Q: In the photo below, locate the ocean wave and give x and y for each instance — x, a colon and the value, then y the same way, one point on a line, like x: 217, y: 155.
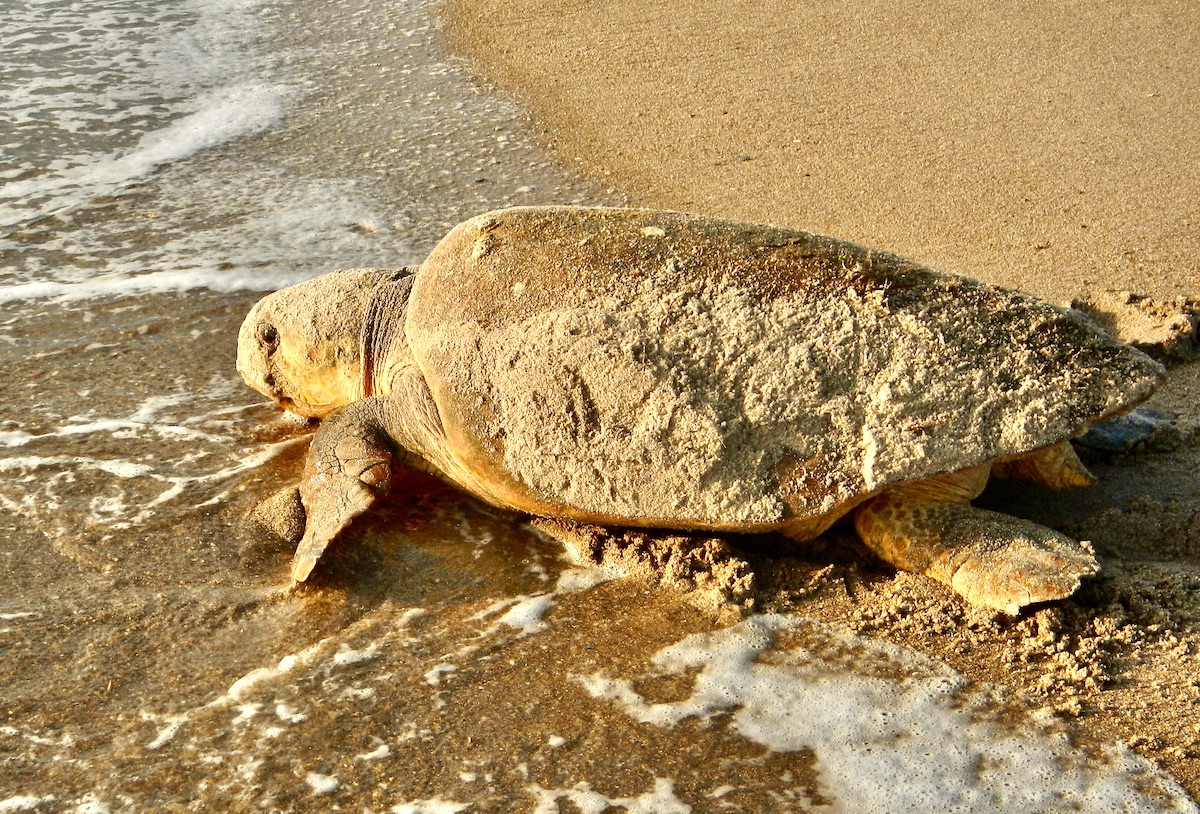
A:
x: 221, y: 115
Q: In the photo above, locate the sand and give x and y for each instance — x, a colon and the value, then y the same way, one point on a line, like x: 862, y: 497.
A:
x: 154, y: 654
x: 1047, y: 149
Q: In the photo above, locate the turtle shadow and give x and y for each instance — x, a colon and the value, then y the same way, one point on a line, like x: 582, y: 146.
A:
x: 434, y: 545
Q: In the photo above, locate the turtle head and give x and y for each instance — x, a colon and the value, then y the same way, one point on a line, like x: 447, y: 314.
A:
x: 302, y: 345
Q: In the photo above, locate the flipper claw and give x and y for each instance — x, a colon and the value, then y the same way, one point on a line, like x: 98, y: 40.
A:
x: 302, y: 566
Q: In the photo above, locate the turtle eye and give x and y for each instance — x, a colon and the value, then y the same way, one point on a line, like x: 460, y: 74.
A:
x: 268, y: 336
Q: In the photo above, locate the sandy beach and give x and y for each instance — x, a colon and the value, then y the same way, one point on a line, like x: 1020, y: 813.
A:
x: 1050, y: 150
x: 162, y: 172
x: 1046, y: 149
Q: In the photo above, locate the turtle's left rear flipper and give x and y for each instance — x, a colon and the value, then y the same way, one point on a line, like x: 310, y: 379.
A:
x: 989, y: 559
x: 349, y: 467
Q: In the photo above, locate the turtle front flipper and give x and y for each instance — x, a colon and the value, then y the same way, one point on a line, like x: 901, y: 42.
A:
x: 990, y: 559
x: 349, y: 466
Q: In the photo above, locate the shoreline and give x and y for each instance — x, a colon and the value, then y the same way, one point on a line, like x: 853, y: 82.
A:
x: 1046, y: 152
x: 448, y: 655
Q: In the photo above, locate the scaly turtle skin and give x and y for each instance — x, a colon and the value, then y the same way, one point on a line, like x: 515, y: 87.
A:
x: 656, y: 369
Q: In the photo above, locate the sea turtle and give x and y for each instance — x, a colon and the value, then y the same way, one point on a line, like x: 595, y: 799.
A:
x: 651, y: 369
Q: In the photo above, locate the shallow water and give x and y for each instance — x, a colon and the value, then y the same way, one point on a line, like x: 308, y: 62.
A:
x: 163, y: 164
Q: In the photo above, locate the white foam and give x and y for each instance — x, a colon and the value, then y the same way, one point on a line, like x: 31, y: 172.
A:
x: 527, y: 614
x: 523, y: 613
x: 321, y: 783
x: 122, y: 469
x: 576, y: 580
x: 433, y: 676
x: 23, y: 802
x: 238, y: 689
x: 434, y: 805
x: 65, y: 740
x: 378, y: 753
x: 494, y: 608
x: 410, y: 616
x: 158, y: 282
x: 91, y: 804
x: 659, y: 800
x: 248, y: 770
x: 14, y: 438
x: 149, y: 409
x: 143, y: 418
x: 246, y: 712
x: 223, y: 114
x: 289, y: 714
x: 89, y: 113
x: 112, y: 509
x: 235, y: 696
x: 926, y: 742
x: 168, y: 732
x: 89, y: 117
x: 108, y: 511
x: 346, y: 656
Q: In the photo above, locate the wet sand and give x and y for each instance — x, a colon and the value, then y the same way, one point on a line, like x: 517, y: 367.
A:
x: 1049, y: 150
x: 154, y: 655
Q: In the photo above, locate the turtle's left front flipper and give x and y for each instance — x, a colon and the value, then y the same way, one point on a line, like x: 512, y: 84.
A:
x: 349, y: 466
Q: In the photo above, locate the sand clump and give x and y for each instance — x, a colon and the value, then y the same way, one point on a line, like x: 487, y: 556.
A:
x: 708, y: 571
x: 1168, y: 330
x: 281, y: 514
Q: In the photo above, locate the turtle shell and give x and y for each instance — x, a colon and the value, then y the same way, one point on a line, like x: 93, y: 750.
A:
x: 662, y: 369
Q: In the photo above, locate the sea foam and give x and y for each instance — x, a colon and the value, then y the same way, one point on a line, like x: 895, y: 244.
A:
x: 222, y: 115
x: 123, y: 170
x: 927, y: 741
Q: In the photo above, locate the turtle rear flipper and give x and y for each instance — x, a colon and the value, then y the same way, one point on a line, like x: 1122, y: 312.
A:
x: 990, y: 559
x: 349, y: 467
x: 1056, y: 466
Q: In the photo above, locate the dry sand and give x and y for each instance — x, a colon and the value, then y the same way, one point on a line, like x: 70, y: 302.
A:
x: 1048, y: 148
x: 1051, y: 149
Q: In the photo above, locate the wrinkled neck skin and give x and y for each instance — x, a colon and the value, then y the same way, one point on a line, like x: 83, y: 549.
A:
x: 395, y: 406
x: 396, y: 395
x: 385, y: 355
